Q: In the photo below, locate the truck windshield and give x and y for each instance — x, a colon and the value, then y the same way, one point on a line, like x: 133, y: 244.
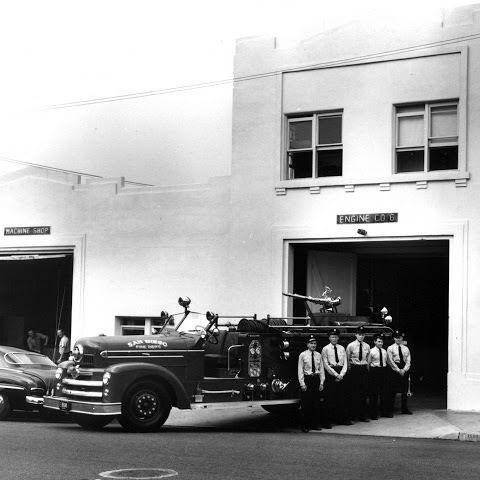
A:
x: 195, y: 322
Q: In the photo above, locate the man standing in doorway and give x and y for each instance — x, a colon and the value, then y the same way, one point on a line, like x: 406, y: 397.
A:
x: 36, y: 341
x: 63, y: 346
x: 399, y: 361
x: 357, y: 354
x: 311, y: 377
x: 335, y: 364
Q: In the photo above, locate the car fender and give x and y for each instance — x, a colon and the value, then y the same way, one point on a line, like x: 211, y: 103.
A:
x: 124, y: 374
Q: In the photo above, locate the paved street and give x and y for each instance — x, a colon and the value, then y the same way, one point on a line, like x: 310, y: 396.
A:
x: 247, y: 446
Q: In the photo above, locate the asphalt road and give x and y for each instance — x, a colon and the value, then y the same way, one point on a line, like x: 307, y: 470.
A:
x: 246, y: 448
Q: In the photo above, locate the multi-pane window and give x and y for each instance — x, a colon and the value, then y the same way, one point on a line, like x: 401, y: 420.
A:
x: 427, y: 137
x: 315, y: 146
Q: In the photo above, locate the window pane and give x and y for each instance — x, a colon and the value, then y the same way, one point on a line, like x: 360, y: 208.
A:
x: 329, y: 130
x: 300, y: 134
x: 300, y: 164
x: 329, y: 163
x: 444, y: 122
x: 410, y: 131
x: 444, y: 158
x: 410, y: 161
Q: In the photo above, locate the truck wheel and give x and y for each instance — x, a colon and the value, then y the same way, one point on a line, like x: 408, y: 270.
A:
x: 145, y: 407
x: 283, y: 410
x: 92, y: 422
x: 4, y: 406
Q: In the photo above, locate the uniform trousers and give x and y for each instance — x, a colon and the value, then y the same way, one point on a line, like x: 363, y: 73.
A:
x: 396, y: 383
x: 310, y: 402
x: 335, y: 398
x: 358, y: 391
x: 377, y: 390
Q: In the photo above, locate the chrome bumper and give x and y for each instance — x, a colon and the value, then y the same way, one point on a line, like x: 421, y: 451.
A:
x: 76, y: 406
x: 34, y: 400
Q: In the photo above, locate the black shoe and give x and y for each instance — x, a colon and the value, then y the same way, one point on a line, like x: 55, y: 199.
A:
x: 327, y: 426
x: 373, y: 417
x: 363, y: 419
x: 406, y: 411
x: 305, y: 430
x: 347, y: 422
x: 387, y: 415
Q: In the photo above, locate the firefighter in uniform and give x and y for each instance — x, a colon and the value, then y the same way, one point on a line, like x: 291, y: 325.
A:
x: 335, y: 364
x: 377, y: 376
x: 311, y: 377
x: 357, y: 355
x: 399, y: 361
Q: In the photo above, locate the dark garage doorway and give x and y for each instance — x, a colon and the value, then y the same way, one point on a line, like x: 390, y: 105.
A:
x: 410, y: 278
x: 35, y: 293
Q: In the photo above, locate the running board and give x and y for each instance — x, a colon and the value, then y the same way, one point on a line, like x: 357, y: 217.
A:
x: 245, y: 403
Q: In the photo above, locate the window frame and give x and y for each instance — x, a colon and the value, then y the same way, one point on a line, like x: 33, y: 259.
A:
x: 426, y: 113
x: 315, y: 145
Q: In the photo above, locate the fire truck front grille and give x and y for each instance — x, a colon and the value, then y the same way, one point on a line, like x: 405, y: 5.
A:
x: 87, y: 385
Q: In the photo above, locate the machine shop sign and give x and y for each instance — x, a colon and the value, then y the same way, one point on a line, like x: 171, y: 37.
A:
x: 42, y: 230
x: 350, y: 218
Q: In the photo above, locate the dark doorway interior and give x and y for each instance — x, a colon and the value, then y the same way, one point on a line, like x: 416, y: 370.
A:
x: 35, y: 293
x: 411, y: 280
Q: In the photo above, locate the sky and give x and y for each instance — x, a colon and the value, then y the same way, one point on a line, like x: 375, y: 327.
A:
x: 57, y: 52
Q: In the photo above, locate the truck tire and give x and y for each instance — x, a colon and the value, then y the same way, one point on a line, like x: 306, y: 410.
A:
x: 4, y: 406
x: 145, y: 407
x: 282, y: 410
x: 89, y: 422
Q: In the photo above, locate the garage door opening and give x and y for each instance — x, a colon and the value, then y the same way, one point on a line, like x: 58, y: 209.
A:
x: 35, y: 293
x: 410, y: 278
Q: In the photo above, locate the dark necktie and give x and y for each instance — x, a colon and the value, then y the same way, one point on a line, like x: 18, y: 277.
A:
x: 381, y: 358
x: 336, y: 355
x: 313, y: 363
x: 360, y: 352
x: 400, y: 354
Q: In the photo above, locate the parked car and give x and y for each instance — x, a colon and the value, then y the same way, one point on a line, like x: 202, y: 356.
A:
x: 25, y: 378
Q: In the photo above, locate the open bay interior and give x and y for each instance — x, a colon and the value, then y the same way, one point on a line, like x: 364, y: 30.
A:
x: 410, y: 278
x: 35, y: 293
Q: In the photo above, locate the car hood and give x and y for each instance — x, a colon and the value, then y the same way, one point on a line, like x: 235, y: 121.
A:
x: 169, y: 341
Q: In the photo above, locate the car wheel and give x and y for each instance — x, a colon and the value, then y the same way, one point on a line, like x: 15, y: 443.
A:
x: 145, y: 407
x: 92, y: 422
x: 4, y: 406
x: 283, y: 410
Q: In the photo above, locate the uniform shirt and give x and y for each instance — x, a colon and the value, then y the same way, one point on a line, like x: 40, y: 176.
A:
x: 328, y: 356
x: 353, y: 351
x: 305, y: 366
x: 63, y: 345
x: 374, y: 357
x: 393, y: 357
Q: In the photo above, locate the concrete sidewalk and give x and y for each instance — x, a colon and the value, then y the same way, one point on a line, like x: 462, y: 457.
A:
x: 425, y: 423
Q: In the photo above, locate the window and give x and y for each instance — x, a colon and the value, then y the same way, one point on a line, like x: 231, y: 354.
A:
x: 137, y: 325
x: 427, y: 137
x: 315, y: 146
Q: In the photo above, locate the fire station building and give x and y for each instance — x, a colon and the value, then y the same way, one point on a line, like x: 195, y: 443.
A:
x: 354, y: 163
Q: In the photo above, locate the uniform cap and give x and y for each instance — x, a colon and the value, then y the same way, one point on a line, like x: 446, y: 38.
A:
x: 312, y: 339
x: 397, y: 334
x: 335, y: 331
x: 378, y: 335
x: 360, y: 330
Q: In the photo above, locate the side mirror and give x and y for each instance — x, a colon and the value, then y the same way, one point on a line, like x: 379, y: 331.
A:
x: 215, y: 332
